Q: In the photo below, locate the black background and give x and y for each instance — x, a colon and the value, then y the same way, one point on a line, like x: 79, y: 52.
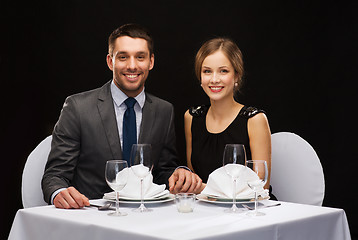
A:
x: 300, y: 61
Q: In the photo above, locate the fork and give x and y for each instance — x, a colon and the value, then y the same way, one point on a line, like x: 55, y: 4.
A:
x: 251, y: 208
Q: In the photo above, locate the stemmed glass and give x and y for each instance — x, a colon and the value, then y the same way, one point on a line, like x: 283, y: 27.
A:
x: 233, y: 162
x: 116, y: 177
x: 141, y: 165
x: 260, y: 168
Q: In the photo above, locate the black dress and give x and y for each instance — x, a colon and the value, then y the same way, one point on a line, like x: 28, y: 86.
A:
x: 208, y: 148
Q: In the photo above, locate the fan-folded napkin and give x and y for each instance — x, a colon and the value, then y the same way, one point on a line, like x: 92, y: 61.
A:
x: 133, y: 187
x: 220, y: 183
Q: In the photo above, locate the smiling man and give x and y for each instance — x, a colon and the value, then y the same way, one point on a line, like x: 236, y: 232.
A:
x: 91, y: 128
x: 130, y: 60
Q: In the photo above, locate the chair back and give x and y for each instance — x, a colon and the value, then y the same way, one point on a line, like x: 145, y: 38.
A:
x: 296, y: 171
x: 31, y: 190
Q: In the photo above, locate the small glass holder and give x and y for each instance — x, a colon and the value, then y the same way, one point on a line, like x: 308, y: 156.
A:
x: 185, y: 202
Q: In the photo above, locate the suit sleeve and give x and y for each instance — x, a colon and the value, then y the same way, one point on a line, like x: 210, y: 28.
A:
x: 65, y: 148
x: 168, y: 159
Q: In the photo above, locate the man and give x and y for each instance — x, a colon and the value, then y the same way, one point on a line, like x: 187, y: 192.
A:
x: 90, y: 129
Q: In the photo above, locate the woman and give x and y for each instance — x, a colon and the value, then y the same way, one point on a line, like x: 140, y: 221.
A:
x: 219, y: 68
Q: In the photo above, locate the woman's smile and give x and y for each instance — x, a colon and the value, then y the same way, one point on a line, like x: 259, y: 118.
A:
x: 216, y: 89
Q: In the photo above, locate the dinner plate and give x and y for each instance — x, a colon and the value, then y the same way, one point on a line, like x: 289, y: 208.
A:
x: 222, y: 200
x: 147, y: 201
x: 111, y: 196
x: 160, y: 199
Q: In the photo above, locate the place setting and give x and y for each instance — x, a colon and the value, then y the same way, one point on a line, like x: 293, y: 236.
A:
x: 238, y: 182
x: 134, y: 184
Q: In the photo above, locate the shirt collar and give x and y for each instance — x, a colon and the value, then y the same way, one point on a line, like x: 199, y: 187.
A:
x: 119, y: 97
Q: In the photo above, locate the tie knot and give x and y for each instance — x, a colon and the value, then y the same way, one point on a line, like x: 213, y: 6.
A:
x: 130, y: 102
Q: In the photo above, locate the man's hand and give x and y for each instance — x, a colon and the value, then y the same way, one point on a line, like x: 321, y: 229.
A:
x: 70, y: 198
x: 183, y: 180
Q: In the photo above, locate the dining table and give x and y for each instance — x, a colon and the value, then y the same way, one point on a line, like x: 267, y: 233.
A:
x: 208, y: 220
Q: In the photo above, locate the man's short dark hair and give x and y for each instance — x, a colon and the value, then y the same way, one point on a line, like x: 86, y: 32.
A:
x: 131, y: 30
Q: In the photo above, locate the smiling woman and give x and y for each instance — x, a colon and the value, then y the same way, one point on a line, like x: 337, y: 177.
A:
x: 208, y: 129
x: 230, y: 51
x: 218, y: 76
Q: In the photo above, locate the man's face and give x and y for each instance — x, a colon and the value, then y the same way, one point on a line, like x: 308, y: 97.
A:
x: 130, y: 63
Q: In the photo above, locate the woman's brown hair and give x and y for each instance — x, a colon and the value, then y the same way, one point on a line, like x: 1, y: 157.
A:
x: 231, y: 51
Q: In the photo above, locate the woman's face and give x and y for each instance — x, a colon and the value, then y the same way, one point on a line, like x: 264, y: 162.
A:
x: 217, y: 76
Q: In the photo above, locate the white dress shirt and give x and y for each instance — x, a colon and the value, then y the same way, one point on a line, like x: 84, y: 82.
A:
x: 120, y: 107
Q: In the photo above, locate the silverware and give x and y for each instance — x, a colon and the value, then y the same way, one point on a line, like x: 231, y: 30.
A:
x: 102, y: 208
x: 265, y: 206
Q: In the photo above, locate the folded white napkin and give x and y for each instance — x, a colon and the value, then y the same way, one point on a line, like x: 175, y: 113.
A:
x: 220, y: 183
x: 133, y: 187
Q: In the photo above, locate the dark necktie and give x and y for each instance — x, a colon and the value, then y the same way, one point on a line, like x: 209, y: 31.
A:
x: 129, y: 129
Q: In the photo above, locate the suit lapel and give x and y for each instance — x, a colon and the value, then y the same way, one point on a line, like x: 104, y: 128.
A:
x: 148, y: 119
x: 108, y: 117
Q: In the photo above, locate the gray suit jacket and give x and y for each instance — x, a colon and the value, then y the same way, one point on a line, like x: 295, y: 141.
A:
x: 86, y: 136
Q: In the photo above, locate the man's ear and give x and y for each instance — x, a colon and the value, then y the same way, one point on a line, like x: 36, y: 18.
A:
x: 109, y: 61
x: 151, y: 62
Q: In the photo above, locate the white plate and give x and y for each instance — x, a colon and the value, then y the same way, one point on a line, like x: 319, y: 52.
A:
x: 221, y: 200
x: 111, y: 196
x: 165, y: 198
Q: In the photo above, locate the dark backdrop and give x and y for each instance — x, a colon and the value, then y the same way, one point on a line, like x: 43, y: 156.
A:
x: 300, y: 61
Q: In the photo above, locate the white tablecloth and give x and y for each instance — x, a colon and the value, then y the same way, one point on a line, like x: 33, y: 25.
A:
x: 208, y: 221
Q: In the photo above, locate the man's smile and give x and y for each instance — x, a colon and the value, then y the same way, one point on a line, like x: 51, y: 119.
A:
x: 132, y: 76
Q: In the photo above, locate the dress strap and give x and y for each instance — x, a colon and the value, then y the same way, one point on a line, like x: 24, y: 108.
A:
x: 248, y: 111
x: 198, y: 111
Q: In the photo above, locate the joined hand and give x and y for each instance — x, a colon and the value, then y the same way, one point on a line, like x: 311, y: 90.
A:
x: 184, y: 181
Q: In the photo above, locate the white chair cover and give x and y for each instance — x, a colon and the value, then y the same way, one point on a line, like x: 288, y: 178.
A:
x: 296, y: 171
x: 33, y: 171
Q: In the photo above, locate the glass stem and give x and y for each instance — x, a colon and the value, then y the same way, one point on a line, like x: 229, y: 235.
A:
x: 141, y: 194
x: 117, y: 202
x: 255, y: 202
x: 234, y: 195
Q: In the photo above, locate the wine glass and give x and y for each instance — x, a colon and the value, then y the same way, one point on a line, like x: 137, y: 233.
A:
x: 260, y: 168
x: 116, y: 177
x: 233, y: 162
x: 141, y: 165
